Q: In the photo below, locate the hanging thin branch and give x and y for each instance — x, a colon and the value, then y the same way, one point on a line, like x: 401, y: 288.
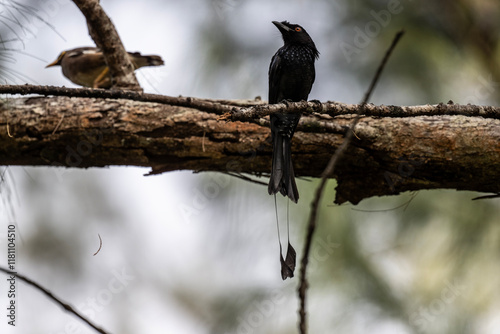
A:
x: 58, y: 301
x: 311, y: 226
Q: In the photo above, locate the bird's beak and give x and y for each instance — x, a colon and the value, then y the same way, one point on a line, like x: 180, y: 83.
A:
x: 57, y: 61
x: 54, y: 63
x: 283, y: 28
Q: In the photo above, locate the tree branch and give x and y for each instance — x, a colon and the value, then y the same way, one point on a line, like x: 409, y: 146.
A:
x: 104, y: 34
x: 214, y: 106
x: 338, y: 109
x: 51, y: 296
x: 250, y: 110
x: 390, y: 155
x: 330, y: 168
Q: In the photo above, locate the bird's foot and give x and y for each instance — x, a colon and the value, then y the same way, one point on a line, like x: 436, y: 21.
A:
x: 287, y: 102
x: 318, y: 106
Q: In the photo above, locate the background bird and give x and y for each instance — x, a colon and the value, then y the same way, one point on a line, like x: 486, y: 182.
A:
x: 86, y: 66
x: 291, y: 76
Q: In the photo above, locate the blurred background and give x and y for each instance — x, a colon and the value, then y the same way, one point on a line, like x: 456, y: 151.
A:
x: 198, y: 253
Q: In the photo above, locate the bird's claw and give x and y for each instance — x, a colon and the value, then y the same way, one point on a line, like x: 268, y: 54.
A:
x: 287, y: 102
x: 318, y: 106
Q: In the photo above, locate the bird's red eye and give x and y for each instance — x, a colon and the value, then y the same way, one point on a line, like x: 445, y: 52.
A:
x: 297, y: 29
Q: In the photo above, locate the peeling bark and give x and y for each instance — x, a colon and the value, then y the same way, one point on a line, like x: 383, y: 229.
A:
x: 388, y: 156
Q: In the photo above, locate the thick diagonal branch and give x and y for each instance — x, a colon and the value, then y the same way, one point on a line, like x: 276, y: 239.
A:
x: 104, y: 34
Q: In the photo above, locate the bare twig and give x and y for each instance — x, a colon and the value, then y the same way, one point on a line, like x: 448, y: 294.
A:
x: 404, y: 205
x: 311, y: 226
x: 58, y: 125
x: 487, y: 197
x: 8, y: 131
x: 245, y: 178
x: 105, y: 36
x: 200, y: 104
x: 235, y: 111
x: 49, y: 294
x: 203, y: 142
x: 26, y: 12
x: 338, y: 109
x: 100, y: 244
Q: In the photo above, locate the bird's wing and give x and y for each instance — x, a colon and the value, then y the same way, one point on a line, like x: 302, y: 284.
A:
x: 85, y: 59
x: 275, y: 74
x: 84, y: 51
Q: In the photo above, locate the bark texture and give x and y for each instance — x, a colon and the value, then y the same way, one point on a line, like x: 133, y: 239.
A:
x: 388, y: 155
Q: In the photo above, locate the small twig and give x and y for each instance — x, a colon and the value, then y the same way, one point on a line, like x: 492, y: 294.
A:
x: 311, y: 226
x: 8, y: 131
x: 190, y: 102
x: 203, y: 142
x: 49, y: 294
x: 380, y: 68
x: 404, y: 205
x: 355, y: 135
x: 100, y: 244
x: 245, y: 178
x: 497, y: 195
x: 335, y: 109
x: 58, y: 124
x: 230, y: 110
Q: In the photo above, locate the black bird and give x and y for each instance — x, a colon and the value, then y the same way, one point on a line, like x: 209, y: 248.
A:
x: 291, y: 76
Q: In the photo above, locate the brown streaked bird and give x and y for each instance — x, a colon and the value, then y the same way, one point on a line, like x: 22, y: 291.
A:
x: 86, y: 66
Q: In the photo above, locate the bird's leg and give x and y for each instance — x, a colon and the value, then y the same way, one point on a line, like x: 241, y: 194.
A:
x: 101, y: 78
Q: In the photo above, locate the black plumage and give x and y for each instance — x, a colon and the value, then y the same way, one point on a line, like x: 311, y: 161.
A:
x: 291, y: 76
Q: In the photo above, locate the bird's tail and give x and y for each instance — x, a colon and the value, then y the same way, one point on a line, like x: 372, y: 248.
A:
x: 145, y: 60
x: 282, y: 175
